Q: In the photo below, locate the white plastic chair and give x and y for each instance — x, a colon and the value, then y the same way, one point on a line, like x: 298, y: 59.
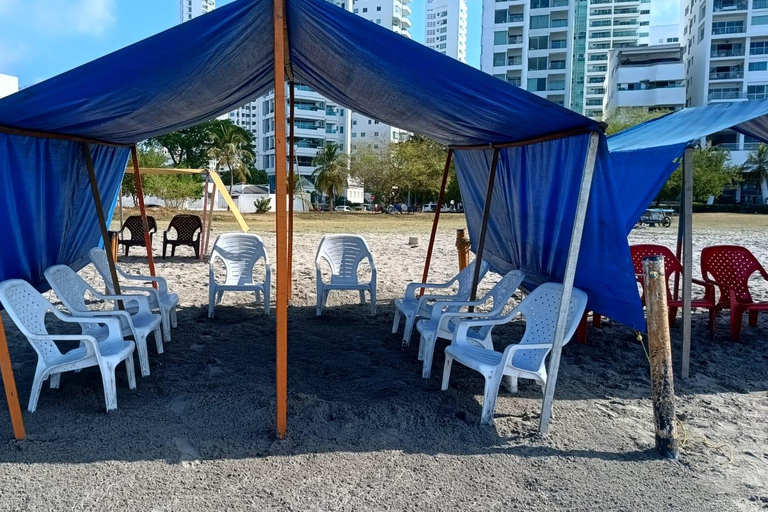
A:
x: 240, y: 252
x: 443, y: 320
x: 413, y: 307
x: 525, y: 359
x: 159, y: 300
x: 72, y: 290
x: 27, y: 308
x: 344, y: 253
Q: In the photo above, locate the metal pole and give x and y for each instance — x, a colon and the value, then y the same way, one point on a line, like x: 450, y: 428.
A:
x: 86, y: 149
x: 436, y: 220
x: 687, y: 261
x: 570, y: 275
x: 143, y: 210
x: 9, y: 383
x: 281, y: 304
x: 120, y: 201
x: 205, y: 212
x: 484, y: 227
x: 291, y: 178
x: 210, y: 219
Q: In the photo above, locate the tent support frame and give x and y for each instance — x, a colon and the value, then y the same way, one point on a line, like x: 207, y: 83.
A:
x: 484, y: 226
x: 281, y: 227
x: 86, y: 150
x: 9, y: 383
x: 292, y: 184
x: 569, y: 277
x: 537, y: 140
x: 211, y: 204
x: 203, y: 234
x: 143, y: 211
x: 436, y: 220
x: 687, y: 260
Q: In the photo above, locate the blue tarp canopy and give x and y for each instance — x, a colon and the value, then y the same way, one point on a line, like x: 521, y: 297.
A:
x: 644, y: 156
x: 217, y: 62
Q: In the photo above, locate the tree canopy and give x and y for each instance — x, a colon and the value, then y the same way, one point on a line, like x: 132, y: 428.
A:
x: 712, y: 173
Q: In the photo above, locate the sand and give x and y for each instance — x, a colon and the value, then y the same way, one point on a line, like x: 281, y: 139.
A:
x: 366, y: 431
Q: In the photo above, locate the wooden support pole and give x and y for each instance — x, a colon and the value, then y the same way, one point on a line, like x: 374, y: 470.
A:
x: 9, y: 383
x: 687, y: 261
x: 203, y: 234
x: 281, y: 303
x: 462, y: 246
x: 291, y: 182
x: 660, y: 353
x: 86, y: 150
x: 143, y: 210
x: 120, y: 204
x: 568, y: 279
x: 484, y: 226
x: 210, y: 219
x: 436, y: 220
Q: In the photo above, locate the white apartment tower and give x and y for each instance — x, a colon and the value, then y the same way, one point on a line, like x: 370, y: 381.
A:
x: 189, y: 9
x: 394, y: 15
x: 8, y: 85
x: 447, y: 28
x: 559, y: 49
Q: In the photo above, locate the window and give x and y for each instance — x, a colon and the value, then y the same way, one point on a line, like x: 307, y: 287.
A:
x: 500, y: 37
x: 538, y: 43
x: 672, y: 39
x: 558, y: 43
x: 760, y: 4
x: 539, y: 4
x: 539, y: 21
x: 365, y: 9
x: 500, y: 16
x: 758, y: 48
x: 537, y: 84
x: 375, y: 134
x: 362, y: 134
x: 758, y: 66
x: 378, y: 8
x: 760, y: 20
x: 757, y: 92
x: 557, y: 64
x: 537, y: 63
x: 499, y: 59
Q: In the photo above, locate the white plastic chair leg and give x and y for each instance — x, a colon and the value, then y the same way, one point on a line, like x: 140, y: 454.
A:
x: 219, y: 296
x: 55, y: 380
x: 396, y: 321
x: 319, y: 305
x: 489, y: 399
x: 372, y: 292
x: 422, y: 344
x: 174, y: 318
x: 110, y: 387
x: 211, y: 301
x: 510, y: 382
x: 166, y: 325
x: 141, y: 347
x: 159, y: 340
x: 131, y: 373
x: 266, y: 302
x: 37, y: 385
x: 408, y: 331
x: 362, y: 296
x: 446, y: 372
x: 429, y: 352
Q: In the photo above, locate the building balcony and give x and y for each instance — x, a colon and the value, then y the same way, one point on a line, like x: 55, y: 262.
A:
x: 716, y: 95
x: 514, y: 81
x: 729, y: 6
x: 515, y: 61
x: 736, y: 29
x: 734, y: 52
x: 406, y: 10
x: 727, y: 75
x: 558, y: 24
x: 515, y: 40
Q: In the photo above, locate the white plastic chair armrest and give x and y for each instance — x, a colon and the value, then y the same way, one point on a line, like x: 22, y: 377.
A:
x: 412, y: 288
x: 465, y: 325
x: 145, y: 289
x: 162, y: 284
x: 472, y: 318
x: 112, y: 323
x: 141, y: 300
x: 509, y: 352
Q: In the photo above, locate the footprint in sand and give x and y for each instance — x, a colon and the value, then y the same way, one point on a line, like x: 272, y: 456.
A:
x: 189, y: 454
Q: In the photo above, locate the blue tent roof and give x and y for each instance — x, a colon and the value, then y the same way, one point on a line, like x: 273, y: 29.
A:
x: 644, y: 156
x: 221, y: 60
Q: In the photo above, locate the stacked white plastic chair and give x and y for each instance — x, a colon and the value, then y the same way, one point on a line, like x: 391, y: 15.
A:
x: 523, y: 360
x: 413, y: 307
x: 239, y: 252
x: 72, y: 290
x: 344, y: 253
x: 160, y: 299
x: 27, y: 308
x: 443, y: 320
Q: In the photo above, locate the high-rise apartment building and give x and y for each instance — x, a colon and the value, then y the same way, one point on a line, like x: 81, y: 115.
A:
x: 559, y: 49
x: 189, y: 9
x: 8, y: 85
x: 394, y: 15
x: 447, y: 28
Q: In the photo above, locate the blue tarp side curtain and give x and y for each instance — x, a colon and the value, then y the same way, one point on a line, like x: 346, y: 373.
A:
x: 532, y: 215
x: 48, y: 211
x: 644, y: 156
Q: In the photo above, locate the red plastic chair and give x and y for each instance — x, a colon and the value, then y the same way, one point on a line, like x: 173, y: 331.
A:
x: 729, y: 267
x: 672, y: 266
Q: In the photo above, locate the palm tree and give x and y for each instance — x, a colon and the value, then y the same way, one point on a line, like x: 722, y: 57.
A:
x: 331, y: 172
x: 231, y: 148
x: 756, y: 168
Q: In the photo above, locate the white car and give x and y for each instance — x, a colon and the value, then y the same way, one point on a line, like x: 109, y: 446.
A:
x: 342, y: 209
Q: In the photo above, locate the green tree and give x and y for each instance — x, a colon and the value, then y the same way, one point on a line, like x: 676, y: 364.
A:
x: 452, y: 192
x: 188, y: 148
x: 231, y: 147
x: 331, y: 170
x: 149, y: 158
x: 712, y: 173
x: 756, y: 169
x: 174, y: 190
x: 627, y: 117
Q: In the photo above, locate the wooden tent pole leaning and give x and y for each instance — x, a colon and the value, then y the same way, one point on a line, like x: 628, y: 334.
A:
x: 203, y: 235
x: 9, y: 383
x: 569, y: 277
x: 484, y: 227
x: 436, y: 220
x: 143, y: 210
x: 86, y: 149
x: 210, y: 218
x: 281, y: 224
x: 687, y: 260
x: 292, y: 177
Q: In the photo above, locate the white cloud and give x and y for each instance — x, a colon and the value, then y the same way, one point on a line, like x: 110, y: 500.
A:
x: 89, y: 17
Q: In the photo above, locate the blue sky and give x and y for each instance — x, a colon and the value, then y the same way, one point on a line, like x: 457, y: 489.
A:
x: 42, y: 38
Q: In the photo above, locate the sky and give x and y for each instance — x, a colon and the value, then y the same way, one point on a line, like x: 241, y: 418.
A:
x: 40, y: 39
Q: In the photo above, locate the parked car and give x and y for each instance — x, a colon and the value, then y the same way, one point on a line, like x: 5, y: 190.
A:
x: 342, y: 209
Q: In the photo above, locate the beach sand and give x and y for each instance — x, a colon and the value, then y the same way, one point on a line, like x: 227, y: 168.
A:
x: 365, y: 431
